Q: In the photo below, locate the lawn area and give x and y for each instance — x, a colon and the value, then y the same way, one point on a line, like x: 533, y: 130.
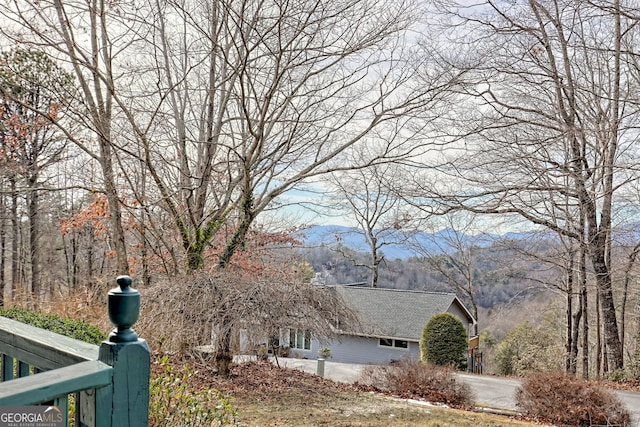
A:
x: 268, y: 396
x: 342, y: 409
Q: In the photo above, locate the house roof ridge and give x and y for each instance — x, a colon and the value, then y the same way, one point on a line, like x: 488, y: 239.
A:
x: 417, y: 291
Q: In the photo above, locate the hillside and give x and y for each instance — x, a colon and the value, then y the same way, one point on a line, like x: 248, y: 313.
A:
x: 500, y: 273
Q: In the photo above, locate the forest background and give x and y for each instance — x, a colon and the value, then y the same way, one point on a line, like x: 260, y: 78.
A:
x: 168, y: 138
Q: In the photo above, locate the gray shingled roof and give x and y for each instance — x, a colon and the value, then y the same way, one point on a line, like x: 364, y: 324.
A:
x: 395, y: 313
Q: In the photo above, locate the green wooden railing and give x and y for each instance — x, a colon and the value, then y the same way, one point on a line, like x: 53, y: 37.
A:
x: 109, y: 384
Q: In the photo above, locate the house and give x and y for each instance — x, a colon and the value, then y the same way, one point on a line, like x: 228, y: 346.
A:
x: 391, y: 324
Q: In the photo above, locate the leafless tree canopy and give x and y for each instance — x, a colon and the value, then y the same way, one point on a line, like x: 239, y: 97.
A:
x: 203, y: 114
x: 549, y: 122
x: 205, y: 306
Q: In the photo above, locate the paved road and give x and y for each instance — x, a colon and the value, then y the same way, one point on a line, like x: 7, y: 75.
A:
x: 343, y: 372
x: 489, y: 392
x: 632, y: 400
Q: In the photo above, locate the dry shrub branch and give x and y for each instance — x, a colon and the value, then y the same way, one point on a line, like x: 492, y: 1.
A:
x: 559, y: 398
x: 212, y: 308
x: 419, y: 380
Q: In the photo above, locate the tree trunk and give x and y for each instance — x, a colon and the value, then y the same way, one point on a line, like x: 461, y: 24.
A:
x: 570, y: 360
x: 631, y: 259
x: 223, y: 355
x: 34, y: 239
x: 90, y: 266
x: 602, y: 264
x: 240, y: 235
x: 98, y: 95
x: 598, y: 338
x: 375, y: 263
x: 15, y: 238
x: 574, y: 341
x: 115, y: 213
x: 3, y: 242
x: 72, y: 261
x: 585, y: 313
x: 609, y: 320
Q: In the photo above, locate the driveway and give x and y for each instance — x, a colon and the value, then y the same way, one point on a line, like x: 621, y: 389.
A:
x: 342, y: 372
x: 490, y: 392
x: 499, y: 393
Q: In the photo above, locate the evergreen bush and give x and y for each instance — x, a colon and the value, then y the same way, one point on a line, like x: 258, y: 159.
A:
x: 77, y: 329
x: 444, y: 341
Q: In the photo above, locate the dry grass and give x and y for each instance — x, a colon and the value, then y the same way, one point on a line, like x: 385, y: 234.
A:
x: 82, y: 304
x: 359, y: 409
x: 268, y: 396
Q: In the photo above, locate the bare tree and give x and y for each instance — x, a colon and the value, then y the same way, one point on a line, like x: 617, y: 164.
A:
x: 82, y: 35
x: 552, y: 114
x: 364, y: 196
x: 263, y: 97
x: 33, y: 90
x: 453, y: 253
x: 558, y: 263
x: 228, y: 105
x: 3, y: 242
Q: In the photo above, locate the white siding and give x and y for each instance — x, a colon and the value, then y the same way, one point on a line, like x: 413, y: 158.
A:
x: 353, y: 349
x: 301, y: 353
x: 456, y: 311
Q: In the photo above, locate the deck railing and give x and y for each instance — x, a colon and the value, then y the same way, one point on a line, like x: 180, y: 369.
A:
x: 107, y: 384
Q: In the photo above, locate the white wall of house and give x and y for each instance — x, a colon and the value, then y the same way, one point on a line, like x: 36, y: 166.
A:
x: 457, y: 311
x: 364, y: 350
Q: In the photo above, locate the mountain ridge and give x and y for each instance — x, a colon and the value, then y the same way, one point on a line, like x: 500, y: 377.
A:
x: 401, y: 244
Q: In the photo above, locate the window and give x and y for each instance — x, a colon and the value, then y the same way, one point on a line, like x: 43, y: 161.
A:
x: 300, y: 339
x: 388, y: 342
x: 385, y: 342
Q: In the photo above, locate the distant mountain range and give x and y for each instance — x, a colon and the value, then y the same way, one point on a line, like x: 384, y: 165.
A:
x: 398, y: 244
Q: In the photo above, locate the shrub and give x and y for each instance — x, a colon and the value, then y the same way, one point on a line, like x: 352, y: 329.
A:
x: 558, y: 398
x: 73, y: 328
x: 173, y: 401
x: 633, y: 367
x: 529, y: 349
x: 444, y: 341
x: 325, y: 353
x: 218, y: 304
x: 506, y: 357
x: 418, y: 380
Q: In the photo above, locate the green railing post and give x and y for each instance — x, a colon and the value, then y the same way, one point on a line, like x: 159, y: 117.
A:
x: 127, y: 403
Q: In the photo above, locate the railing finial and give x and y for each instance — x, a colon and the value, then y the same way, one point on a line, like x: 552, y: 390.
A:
x: 124, y: 308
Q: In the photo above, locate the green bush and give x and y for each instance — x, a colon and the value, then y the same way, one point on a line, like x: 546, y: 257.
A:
x: 73, y: 328
x: 325, y: 353
x: 561, y: 399
x: 174, y: 402
x: 444, y: 341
